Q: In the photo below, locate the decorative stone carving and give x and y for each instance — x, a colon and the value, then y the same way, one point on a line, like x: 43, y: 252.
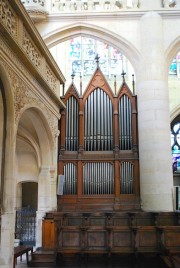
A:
x: 166, y: 3
x: 35, y: 2
x: 50, y: 78
x: 25, y: 98
x: 8, y: 18
x: 30, y: 50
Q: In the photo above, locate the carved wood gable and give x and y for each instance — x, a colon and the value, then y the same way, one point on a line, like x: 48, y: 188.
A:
x: 98, y: 81
x: 124, y: 89
x: 72, y: 91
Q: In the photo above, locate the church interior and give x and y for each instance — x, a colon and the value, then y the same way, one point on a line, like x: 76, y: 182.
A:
x: 90, y: 133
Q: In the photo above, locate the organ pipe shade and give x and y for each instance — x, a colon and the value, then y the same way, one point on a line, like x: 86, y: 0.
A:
x: 126, y: 178
x: 125, y: 123
x: 98, y: 122
x: 98, y: 178
x: 70, y: 182
x: 72, y: 125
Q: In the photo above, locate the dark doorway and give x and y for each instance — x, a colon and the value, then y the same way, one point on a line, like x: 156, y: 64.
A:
x: 26, y: 216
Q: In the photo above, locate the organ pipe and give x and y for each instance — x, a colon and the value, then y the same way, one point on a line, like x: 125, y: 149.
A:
x: 98, y: 118
x: 70, y: 183
x: 98, y: 178
x: 127, y: 178
x: 72, y: 112
x: 125, y: 123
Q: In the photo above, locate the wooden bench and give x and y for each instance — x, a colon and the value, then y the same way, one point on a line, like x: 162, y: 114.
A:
x: 19, y: 251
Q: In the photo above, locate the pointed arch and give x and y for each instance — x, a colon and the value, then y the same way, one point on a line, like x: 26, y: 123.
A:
x: 42, y: 132
x: 171, y: 51
x: 73, y: 30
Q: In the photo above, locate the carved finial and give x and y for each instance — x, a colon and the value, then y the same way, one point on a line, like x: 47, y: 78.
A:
x: 133, y: 84
x: 80, y: 84
x: 123, y: 75
x: 115, y: 84
x: 72, y: 76
x: 97, y: 59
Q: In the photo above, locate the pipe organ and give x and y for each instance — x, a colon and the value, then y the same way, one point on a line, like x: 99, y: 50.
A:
x: 99, y: 148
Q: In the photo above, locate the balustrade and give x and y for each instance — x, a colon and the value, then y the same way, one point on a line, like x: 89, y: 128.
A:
x: 54, y: 6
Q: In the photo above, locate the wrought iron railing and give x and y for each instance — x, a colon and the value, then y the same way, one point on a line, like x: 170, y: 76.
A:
x: 25, y: 229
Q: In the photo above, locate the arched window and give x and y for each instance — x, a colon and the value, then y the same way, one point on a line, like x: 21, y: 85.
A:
x: 175, y: 143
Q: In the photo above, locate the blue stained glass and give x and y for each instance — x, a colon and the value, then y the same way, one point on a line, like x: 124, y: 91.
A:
x: 82, y: 53
x: 173, y: 67
x: 75, y: 48
x: 89, y: 67
x: 76, y: 66
x: 176, y: 147
x: 89, y: 52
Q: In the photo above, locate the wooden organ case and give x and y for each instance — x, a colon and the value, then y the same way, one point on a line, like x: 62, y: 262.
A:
x: 99, y: 211
x: 99, y: 148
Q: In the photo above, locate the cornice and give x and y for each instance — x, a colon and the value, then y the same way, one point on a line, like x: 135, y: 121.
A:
x: 114, y: 15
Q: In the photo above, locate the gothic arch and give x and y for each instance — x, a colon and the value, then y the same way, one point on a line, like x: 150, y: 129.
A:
x: 175, y: 113
x: 76, y: 29
x: 39, y: 136
x: 171, y: 51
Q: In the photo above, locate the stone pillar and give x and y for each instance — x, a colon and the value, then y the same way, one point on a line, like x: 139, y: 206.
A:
x: 7, y: 240
x: 156, y: 179
x: 44, y: 201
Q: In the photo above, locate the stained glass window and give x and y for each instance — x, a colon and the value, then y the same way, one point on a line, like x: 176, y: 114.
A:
x: 175, y: 143
x: 83, y: 51
x: 174, y: 68
x: 77, y: 55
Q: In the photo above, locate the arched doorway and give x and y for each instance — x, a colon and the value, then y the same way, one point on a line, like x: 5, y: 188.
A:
x: 25, y: 229
x: 34, y: 158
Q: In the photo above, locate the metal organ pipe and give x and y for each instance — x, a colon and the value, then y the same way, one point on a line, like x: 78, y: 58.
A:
x: 127, y: 178
x: 125, y: 123
x: 98, y: 122
x: 70, y: 184
x: 72, y: 126
x: 98, y: 178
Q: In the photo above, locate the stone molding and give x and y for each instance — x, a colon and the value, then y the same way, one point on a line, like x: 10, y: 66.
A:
x: 14, y: 25
x: 8, y: 18
x: 12, y: 62
x: 24, y: 98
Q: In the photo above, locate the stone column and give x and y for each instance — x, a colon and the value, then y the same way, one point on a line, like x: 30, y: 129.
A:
x: 7, y: 240
x: 44, y: 201
x: 156, y: 179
